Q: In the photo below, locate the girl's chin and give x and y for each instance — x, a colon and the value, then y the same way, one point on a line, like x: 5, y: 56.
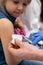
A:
x: 16, y: 15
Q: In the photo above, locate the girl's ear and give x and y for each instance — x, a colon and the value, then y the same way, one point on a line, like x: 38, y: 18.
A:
x: 2, y: 2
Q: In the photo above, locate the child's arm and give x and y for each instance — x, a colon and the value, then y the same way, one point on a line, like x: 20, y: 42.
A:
x: 6, y: 31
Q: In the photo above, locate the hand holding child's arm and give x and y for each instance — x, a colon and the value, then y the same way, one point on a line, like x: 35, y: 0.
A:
x: 25, y: 51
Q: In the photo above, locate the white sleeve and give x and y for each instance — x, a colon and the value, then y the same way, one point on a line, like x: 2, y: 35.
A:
x: 32, y: 13
x: 33, y: 10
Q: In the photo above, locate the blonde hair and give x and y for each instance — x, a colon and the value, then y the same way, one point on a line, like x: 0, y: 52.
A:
x: 2, y: 2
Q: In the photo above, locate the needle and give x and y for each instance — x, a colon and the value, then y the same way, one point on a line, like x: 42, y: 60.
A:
x: 28, y: 40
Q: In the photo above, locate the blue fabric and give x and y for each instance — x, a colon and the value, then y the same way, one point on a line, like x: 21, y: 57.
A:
x: 31, y: 62
x: 2, y: 58
x: 4, y: 14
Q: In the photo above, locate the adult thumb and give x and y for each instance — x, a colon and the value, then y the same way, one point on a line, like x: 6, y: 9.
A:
x: 18, y: 43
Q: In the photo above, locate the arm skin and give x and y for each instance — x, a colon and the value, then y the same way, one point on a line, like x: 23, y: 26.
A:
x: 6, y: 31
x: 39, y: 55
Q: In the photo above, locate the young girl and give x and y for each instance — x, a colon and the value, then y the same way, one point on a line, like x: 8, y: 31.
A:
x: 9, y: 10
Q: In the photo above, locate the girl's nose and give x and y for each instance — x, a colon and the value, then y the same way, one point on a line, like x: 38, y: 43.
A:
x: 20, y: 7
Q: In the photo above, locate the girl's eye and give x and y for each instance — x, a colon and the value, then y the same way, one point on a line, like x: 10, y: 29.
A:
x: 16, y: 2
x: 24, y: 4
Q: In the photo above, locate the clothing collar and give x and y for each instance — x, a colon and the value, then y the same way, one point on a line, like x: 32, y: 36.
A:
x: 5, y: 12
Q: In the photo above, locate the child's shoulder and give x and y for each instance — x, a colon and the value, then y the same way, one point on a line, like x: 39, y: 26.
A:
x: 2, y: 15
x: 5, y: 25
x: 5, y: 21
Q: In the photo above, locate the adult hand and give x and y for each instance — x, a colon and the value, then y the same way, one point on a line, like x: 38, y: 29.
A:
x: 36, y: 37
x: 25, y: 51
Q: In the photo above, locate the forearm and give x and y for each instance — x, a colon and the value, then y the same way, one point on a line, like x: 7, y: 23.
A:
x: 36, y: 55
x: 39, y: 55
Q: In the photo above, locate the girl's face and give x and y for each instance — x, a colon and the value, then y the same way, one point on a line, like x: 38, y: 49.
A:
x: 16, y: 7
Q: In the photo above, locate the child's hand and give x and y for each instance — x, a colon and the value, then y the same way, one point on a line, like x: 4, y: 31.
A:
x: 20, y: 31
x: 17, y: 30
x: 23, y: 32
x: 19, y: 27
x: 18, y: 23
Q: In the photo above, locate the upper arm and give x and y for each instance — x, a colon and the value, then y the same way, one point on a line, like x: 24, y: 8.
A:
x: 6, y: 31
x: 6, y: 27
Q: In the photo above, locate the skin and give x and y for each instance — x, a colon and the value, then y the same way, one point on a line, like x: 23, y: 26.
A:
x: 25, y: 51
x: 16, y: 7
x: 6, y: 27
